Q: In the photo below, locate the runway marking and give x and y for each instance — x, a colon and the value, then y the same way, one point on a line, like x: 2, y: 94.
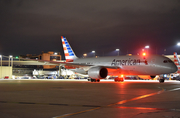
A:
x: 120, y: 102
x: 56, y: 104
x: 137, y: 98
x: 175, y: 89
x: 123, y: 107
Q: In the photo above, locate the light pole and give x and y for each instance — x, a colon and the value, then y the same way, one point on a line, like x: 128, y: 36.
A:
x: 84, y: 55
x: 94, y: 53
x: 10, y: 60
x: 164, y: 51
x: 147, y: 47
x: 10, y: 64
x: 1, y: 65
x: 117, y: 51
x: 178, y: 44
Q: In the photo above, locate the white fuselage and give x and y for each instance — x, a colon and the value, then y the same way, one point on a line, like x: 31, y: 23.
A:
x: 130, y: 65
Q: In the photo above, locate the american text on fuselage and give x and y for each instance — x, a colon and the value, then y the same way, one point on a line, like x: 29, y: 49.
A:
x: 119, y: 62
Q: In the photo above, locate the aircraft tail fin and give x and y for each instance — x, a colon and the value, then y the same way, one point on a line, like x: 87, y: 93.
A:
x: 176, y: 59
x: 177, y: 62
x: 68, y: 52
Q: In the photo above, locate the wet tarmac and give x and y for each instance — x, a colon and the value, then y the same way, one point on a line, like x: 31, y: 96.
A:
x: 83, y: 99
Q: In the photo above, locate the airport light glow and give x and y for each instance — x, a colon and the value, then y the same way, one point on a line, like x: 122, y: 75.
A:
x: 117, y: 51
x: 85, y: 55
x: 144, y: 54
x: 147, y: 46
x: 178, y: 44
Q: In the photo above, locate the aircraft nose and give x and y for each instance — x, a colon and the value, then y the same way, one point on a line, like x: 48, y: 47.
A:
x: 174, y: 68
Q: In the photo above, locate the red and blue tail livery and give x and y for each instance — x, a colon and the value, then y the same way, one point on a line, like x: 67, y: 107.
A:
x: 177, y: 62
x: 68, y: 52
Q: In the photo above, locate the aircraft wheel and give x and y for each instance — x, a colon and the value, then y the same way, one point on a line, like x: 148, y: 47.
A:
x: 93, y: 80
x: 122, y: 80
x: 161, y: 80
x: 118, y: 79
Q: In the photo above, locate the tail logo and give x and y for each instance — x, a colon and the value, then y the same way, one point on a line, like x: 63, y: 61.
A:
x: 68, y: 52
x: 177, y: 62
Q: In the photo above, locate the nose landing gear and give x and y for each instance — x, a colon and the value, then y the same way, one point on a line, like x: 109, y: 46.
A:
x: 119, y: 79
x: 161, y: 80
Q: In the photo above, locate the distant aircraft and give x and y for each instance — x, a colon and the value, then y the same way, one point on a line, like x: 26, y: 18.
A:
x: 177, y: 62
x: 101, y: 67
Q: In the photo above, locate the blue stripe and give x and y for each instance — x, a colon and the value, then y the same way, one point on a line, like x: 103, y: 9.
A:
x: 69, y: 51
x: 64, y: 38
x: 67, y: 46
x: 71, y: 54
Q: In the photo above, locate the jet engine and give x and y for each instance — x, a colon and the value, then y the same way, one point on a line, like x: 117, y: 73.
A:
x: 98, y: 72
x: 152, y: 76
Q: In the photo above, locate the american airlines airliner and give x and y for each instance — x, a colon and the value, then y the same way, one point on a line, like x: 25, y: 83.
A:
x: 101, y: 67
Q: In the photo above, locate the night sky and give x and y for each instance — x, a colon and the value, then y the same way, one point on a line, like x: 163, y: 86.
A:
x: 33, y: 26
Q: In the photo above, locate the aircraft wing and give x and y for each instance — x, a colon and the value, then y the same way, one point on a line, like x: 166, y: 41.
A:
x: 72, y: 64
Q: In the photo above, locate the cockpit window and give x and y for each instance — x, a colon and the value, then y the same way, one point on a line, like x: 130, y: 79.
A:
x: 170, y: 61
x: 167, y: 61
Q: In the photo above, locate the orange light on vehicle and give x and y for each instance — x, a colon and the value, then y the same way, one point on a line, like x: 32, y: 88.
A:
x: 122, y: 75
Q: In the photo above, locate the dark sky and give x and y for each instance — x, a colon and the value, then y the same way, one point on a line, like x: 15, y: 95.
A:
x: 33, y: 26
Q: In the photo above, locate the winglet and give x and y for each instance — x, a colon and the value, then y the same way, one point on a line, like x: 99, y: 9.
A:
x: 68, y: 52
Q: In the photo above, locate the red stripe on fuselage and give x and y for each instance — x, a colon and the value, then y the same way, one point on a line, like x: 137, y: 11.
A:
x: 69, y: 60
x: 69, y: 67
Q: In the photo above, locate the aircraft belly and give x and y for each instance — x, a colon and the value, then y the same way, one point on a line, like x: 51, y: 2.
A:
x: 77, y: 70
x: 124, y: 71
x: 129, y: 70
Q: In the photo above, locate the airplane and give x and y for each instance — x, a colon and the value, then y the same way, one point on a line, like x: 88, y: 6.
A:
x: 101, y: 67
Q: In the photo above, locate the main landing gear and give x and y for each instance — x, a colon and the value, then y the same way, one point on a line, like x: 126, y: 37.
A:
x: 119, y: 79
x: 95, y: 80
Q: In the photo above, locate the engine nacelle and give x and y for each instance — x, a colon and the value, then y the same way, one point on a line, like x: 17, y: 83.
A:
x: 98, y: 72
x: 152, y: 76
